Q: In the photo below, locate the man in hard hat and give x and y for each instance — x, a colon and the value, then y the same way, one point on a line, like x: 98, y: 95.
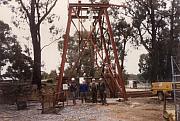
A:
x: 94, y: 91
x: 73, y: 88
x: 102, y: 91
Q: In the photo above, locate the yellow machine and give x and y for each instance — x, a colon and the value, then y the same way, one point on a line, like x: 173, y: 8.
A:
x: 161, y: 88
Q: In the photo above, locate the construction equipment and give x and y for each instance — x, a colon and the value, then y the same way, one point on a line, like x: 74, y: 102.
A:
x: 164, y: 88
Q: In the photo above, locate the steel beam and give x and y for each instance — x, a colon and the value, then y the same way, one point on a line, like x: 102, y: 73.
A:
x: 89, y: 5
x: 66, y: 39
x: 120, y: 79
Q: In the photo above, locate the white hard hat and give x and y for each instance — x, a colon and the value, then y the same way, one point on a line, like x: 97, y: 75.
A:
x: 72, y: 79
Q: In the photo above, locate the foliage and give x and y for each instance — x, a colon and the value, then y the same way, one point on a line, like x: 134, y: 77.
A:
x: 72, y: 55
x: 44, y: 75
x: 145, y: 66
x: 4, y: 45
x: 153, y: 30
x: 80, y: 60
x: 53, y: 75
x: 19, y: 64
x: 123, y: 32
x: 34, y: 12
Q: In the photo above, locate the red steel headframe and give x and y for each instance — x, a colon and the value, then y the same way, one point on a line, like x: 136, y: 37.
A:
x: 74, y: 13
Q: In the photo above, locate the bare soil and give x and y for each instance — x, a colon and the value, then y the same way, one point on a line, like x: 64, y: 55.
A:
x: 136, y: 109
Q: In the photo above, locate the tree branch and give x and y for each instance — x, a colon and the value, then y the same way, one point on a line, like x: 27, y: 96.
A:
x: 23, y: 6
x: 47, y: 12
x: 142, y: 41
x: 47, y: 3
x: 147, y: 28
x: 37, y: 10
x: 50, y: 43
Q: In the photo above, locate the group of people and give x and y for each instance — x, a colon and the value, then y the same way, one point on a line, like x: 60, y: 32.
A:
x: 85, y: 89
x: 101, y: 88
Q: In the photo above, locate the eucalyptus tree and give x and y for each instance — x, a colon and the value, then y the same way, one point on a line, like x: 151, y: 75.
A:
x: 174, y: 33
x: 80, y: 59
x: 123, y: 33
x: 4, y: 45
x: 150, y: 20
x: 17, y: 61
x: 34, y: 12
x: 20, y: 67
x: 157, y: 28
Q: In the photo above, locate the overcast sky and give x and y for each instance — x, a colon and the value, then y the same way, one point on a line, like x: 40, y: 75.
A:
x: 50, y: 55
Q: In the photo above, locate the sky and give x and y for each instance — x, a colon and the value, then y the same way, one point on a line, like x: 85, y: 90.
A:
x: 50, y: 55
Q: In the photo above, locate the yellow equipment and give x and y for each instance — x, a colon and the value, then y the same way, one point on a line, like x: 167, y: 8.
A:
x: 164, y: 88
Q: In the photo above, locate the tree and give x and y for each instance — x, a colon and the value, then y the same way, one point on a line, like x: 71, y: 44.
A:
x: 150, y: 22
x: 174, y: 21
x: 53, y: 75
x: 44, y: 75
x: 80, y: 59
x: 21, y: 64
x: 145, y: 66
x: 35, y: 12
x: 18, y: 62
x: 123, y: 32
x: 72, y: 56
x: 4, y: 45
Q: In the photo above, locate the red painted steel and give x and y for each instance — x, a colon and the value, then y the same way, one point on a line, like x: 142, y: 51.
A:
x: 75, y: 12
x: 120, y: 79
x: 66, y: 38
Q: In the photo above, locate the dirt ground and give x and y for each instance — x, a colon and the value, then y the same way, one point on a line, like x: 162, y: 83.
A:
x: 136, y: 109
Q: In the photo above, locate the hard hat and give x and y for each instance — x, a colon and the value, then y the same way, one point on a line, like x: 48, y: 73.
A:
x: 72, y: 79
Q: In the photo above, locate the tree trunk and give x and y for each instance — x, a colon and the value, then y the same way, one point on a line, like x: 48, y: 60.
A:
x: 154, y: 52
x: 37, y: 65
x: 35, y: 35
x: 37, y: 57
x: 123, y: 52
x: 170, y: 42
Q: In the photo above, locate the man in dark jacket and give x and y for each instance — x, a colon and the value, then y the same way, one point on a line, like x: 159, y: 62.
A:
x: 73, y: 88
x: 102, y: 92
x: 94, y: 91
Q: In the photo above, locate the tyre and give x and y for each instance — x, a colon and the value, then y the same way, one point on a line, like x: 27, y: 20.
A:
x: 160, y: 96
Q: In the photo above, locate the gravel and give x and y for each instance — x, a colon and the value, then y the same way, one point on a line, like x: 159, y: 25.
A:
x: 115, y: 111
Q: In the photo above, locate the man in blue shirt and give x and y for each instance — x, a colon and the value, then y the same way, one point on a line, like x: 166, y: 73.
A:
x: 83, y: 91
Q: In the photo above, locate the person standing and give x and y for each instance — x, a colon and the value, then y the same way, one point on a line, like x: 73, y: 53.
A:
x: 102, y: 92
x: 73, y: 88
x: 83, y: 91
x: 94, y: 91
